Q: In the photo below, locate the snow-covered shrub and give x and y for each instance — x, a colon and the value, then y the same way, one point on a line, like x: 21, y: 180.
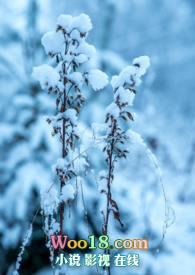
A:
x: 68, y: 75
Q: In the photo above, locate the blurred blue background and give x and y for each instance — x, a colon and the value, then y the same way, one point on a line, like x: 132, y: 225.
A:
x: 165, y: 111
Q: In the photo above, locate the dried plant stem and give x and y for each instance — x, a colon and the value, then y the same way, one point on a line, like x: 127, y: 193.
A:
x: 109, y: 182
x: 63, y: 109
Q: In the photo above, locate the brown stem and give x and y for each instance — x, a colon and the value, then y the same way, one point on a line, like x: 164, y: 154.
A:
x: 62, y: 206
x: 109, y: 181
x: 61, y: 217
x: 110, y: 177
x: 109, y: 190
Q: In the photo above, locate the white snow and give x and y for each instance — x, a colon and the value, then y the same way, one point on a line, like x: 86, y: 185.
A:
x: 143, y: 62
x: 65, y: 21
x: 77, y: 78
x: 83, y: 23
x: 55, y: 227
x: 97, y: 79
x: 123, y: 77
x: 68, y: 193
x: 80, y: 165
x: 49, y: 199
x: 87, y: 49
x: 81, y: 58
x: 46, y: 75
x: 69, y: 23
x: 125, y: 95
x: 22, y: 249
x: 75, y: 34
x: 61, y: 163
x: 72, y: 115
x: 53, y: 42
x: 114, y: 82
x: 113, y: 110
x: 132, y: 74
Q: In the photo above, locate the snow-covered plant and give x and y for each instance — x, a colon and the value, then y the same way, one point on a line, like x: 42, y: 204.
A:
x: 115, y: 131
x: 70, y: 72
x: 22, y: 249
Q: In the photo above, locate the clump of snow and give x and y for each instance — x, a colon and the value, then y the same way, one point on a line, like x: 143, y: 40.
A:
x: 143, y: 63
x: 113, y: 110
x: 61, y: 163
x: 53, y: 42
x: 83, y: 23
x: 81, y: 58
x: 46, y: 75
x: 125, y: 96
x: 65, y: 21
x: 76, y: 78
x: 97, y: 79
x: 75, y: 34
x: 68, y: 193
x: 86, y: 49
x: 69, y: 23
x: 125, y: 77
x: 49, y: 200
x: 71, y: 114
x: 132, y: 74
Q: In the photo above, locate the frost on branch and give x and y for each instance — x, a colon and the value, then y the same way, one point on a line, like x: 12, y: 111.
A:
x: 22, y: 249
x: 65, y: 79
x: 49, y: 200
